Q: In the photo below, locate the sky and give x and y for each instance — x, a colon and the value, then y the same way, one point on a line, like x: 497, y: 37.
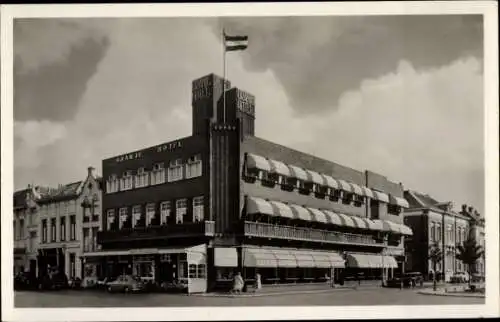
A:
x: 398, y: 95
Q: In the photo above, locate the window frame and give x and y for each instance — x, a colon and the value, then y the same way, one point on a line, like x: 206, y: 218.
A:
x: 180, y: 214
x: 165, y: 212
x: 198, y: 209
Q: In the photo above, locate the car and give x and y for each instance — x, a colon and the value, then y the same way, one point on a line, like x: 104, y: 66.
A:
x: 459, y: 277
x: 410, y: 279
x: 126, y: 283
x: 53, y: 280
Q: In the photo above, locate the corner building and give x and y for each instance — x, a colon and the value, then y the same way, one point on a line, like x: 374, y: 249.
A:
x: 199, y: 209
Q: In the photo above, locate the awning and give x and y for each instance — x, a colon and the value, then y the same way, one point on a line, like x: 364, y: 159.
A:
x: 285, y: 258
x: 390, y: 226
x: 398, y: 201
x: 380, y: 196
x: 344, y: 185
x: 389, y: 262
x: 315, y: 177
x: 258, y: 162
x: 259, y: 257
x: 279, y: 168
x: 321, y: 259
x: 304, y: 259
x: 107, y: 253
x: 336, y: 260
x: 360, y: 223
x: 374, y: 225
x: 318, y: 215
x: 347, y: 221
x: 282, y: 209
x: 298, y: 173
x: 330, y: 182
x: 225, y: 257
x: 333, y: 218
x: 259, y: 206
x: 405, y: 230
x: 356, y: 189
x: 371, y: 261
x: 301, y: 213
x: 367, y: 191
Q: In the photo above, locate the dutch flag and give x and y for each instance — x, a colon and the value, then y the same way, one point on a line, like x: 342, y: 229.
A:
x: 233, y: 43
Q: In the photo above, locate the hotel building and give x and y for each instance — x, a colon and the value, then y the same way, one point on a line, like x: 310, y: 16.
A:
x: 222, y: 200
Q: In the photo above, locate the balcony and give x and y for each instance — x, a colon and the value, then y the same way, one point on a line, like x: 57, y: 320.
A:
x: 256, y: 229
x: 198, y: 229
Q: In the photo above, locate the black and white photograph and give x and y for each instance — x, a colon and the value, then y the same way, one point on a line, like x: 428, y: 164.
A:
x: 238, y: 157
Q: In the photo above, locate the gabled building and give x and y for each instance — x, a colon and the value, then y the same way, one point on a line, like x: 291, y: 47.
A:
x: 476, y: 223
x: 433, y: 223
x: 198, y: 209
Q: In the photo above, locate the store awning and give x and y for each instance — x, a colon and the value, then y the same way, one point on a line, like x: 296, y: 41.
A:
x: 258, y: 162
x: 280, y: 168
x: 357, y: 189
x: 315, y: 177
x: 301, y: 213
x: 344, y: 185
x: 259, y: 206
x: 367, y: 191
x: 390, y: 226
x: 360, y: 223
x: 259, y: 257
x: 298, y: 173
x: 321, y: 259
x: 282, y: 209
x: 285, y: 258
x: 371, y: 261
x: 374, y: 225
x: 107, y: 253
x: 398, y: 201
x: 380, y: 196
x: 333, y: 218
x: 304, y: 259
x: 318, y: 215
x: 330, y: 182
x: 336, y: 260
x: 389, y: 262
x: 225, y: 257
x: 405, y: 230
x: 347, y: 220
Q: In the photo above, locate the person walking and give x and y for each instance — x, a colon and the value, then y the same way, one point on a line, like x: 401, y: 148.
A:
x: 238, y: 283
x: 258, y: 282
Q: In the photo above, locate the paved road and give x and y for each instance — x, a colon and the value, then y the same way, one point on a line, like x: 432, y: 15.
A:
x: 346, y: 297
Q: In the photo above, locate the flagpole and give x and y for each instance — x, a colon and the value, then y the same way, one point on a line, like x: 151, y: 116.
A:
x: 224, y: 75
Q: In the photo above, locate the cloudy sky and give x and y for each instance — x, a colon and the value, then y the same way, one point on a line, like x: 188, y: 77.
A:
x: 399, y: 95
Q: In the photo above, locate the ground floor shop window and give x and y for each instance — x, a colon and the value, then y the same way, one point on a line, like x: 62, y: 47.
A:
x: 225, y: 273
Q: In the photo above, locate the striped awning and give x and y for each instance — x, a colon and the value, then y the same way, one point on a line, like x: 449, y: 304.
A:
x: 321, y: 259
x: 285, y: 258
x: 282, y: 209
x: 301, y: 213
x: 314, y: 177
x: 380, y: 196
x: 257, y: 162
x: 259, y: 257
x: 374, y: 225
x: 259, y: 206
x: 371, y: 261
x: 344, y: 185
x: 367, y: 191
x: 318, y: 215
x: 398, y: 201
x: 333, y: 218
x: 390, y: 226
x: 298, y: 173
x: 304, y: 259
x: 225, y: 257
x: 360, y: 223
x: 356, y: 189
x: 405, y: 230
x: 347, y: 220
x: 330, y: 182
x: 280, y: 168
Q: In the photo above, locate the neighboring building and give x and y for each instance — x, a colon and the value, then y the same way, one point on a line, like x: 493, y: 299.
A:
x: 476, y: 221
x: 68, y: 216
x: 200, y: 208
x: 434, y: 223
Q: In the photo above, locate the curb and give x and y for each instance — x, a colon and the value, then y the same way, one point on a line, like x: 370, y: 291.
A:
x: 443, y: 293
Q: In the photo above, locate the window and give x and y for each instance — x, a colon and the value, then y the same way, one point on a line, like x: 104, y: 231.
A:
x: 393, y: 209
x: 164, y: 212
x: 32, y: 241
x: 192, y: 270
x: 112, y: 185
x: 53, y: 232
x: 180, y: 210
x: 136, y: 215
x: 269, y: 178
x: 62, y: 228
x: 123, y: 217
x: 94, y: 238
x: 347, y: 197
x: 66, y: 207
x: 198, y: 209
x: 86, y: 240
x: 126, y: 181
x: 158, y: 174
x: 72, y: 227
x: 150, y: 213
x: 449, y: 234
x: 359, y: 200
x: 438, y: 232
x: 111, y: 218
x: 433, y: 232
x: 21, y: 228
x: 194, y: 167
x: 175, y: 170
x: 15, y: 230
x: 141, y: 179
x: 201, y: 271
x: 44, y: 230
x: 305, y: 186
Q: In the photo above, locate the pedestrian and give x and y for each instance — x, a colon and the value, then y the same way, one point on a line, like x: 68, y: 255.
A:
x: 238, y: 283
x: 258, y: 282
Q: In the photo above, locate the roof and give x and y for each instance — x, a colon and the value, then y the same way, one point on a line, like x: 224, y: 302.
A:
x: 64, y: 192
x: 421, y: 200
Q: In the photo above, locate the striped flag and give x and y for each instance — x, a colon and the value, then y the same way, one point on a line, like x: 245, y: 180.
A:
x: 233, y: 43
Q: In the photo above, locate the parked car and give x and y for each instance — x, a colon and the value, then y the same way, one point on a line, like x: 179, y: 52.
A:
x: 459, y: 277
x: 410, y: 279
x: 75, y: 283
x: 126, y: 283
x: 102, y: 283
x: 53, y: 280
x: 25, y: 281
x: 175, y: 286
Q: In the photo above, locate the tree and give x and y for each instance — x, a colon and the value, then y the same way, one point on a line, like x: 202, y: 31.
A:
x: 469, y: 253
x: 436, y: 256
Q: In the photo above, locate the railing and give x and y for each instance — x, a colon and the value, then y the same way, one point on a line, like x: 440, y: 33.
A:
x: 204, y: 228
x: 307, y: 234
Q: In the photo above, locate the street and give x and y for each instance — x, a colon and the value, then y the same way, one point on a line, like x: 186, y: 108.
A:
x: 373, y: 296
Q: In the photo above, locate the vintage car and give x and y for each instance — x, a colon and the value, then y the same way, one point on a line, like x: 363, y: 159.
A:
x: 411, y: 279
x: 459, y: 277
x: 126, y: 283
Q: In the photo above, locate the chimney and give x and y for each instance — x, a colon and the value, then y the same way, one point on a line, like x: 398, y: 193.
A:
x: 90, y: 171
x: 469, y: 209
x: 464, y: 207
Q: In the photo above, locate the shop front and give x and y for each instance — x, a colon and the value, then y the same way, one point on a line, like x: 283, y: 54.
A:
x: 370, y: 266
